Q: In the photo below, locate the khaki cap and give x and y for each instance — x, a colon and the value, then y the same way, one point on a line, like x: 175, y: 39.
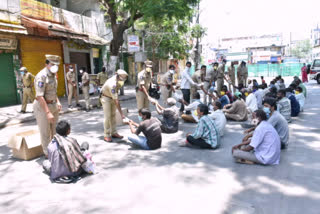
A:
x: 23, y: 69
x: 121, y: 72
x: 54, y: 59
x: 148, y: 63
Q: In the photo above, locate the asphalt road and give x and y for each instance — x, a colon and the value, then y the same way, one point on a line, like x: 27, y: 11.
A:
x: 172, y: 179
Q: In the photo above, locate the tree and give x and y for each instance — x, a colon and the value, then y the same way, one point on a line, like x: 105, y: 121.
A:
x: 302, y: 49
x: 122, y: 14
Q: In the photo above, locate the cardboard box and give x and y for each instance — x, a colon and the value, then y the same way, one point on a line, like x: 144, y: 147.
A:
x: 26, y: 145
x: 118, y: 116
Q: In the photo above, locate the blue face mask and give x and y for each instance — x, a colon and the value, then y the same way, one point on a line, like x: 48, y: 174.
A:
x: 140, y: 118
x: 267, y: 111
x: 22, y: 73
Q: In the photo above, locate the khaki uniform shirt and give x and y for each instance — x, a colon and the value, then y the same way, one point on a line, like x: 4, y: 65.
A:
x: 85, y: 77
x: 71, y: 77
x: 196, y: 77
x: 220, y: 74
x: 167, y: 79
x: 102, y: 77
x: 110, y: 88
x: 27, y: 79
x: 46, y: 85
x: 144, y: 79
x: 231, y: 72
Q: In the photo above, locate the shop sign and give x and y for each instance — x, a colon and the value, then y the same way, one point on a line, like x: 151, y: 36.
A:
x: 133, y: 43
x: 8, y: 42
x: 36, y: 9
x: 95, y: 52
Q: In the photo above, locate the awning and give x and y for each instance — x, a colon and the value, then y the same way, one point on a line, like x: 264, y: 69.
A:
x: 45, y: 28
x: 12, y: 28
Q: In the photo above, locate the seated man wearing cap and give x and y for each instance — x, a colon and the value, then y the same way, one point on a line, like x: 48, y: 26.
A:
x: 27, y: 88
x: 170, y: 121
x: 46, y: 107
x: 110, y: 101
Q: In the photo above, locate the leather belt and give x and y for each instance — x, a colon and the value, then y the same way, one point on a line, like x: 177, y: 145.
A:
x: 51, y: 101
x: 26, y: 86
x: 106, y: 96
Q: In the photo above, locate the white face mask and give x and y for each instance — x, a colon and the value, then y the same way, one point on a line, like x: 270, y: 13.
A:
x: 81, y: 71
x: 54, y: 69
x: 71, y: 70
x: 171, y: 71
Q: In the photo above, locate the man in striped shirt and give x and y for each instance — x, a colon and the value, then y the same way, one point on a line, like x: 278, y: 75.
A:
x: 206, y: 135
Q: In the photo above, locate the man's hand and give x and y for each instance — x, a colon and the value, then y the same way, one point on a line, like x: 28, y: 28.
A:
x: 236, y: 147
x: 50, y: 117
x: 59, y: 106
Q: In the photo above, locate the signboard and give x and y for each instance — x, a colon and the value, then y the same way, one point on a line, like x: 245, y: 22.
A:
x: 133, y: 43
x: 36, y: 9
x: 8, y: 42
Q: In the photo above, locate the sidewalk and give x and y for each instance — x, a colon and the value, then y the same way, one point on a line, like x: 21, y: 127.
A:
x: 11, y: 115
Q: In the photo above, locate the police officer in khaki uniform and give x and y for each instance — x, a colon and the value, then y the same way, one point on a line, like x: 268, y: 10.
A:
x: 46, y: 106
x: 209, y: 78
x: 85, y: 87
x: 102, y: 77
x: 167, y: 84
x: 242, y: 74
x: 220, y: 76
x: 143, y: 85
x: 197, y: 77
x: 72, y: 87
x: 232, y: 76
x: 27, y: 88
x: 110, y: 101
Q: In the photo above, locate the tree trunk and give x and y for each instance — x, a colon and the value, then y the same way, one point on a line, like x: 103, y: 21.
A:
x: 112, y: 65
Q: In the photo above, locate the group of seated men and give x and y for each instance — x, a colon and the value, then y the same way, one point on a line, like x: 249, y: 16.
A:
x: 270, y: 107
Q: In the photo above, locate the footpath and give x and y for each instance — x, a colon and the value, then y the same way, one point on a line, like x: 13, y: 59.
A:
x: 11, y: 115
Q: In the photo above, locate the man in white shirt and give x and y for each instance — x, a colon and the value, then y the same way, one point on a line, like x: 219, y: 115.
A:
x: 263, y: 148
x: 259, y: 93
x: 251, y: 101
x: 186, y: 82
x: 219, y: 117
x: 192, y: 107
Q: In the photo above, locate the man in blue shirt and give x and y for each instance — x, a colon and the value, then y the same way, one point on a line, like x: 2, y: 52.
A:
x: 295, y: 106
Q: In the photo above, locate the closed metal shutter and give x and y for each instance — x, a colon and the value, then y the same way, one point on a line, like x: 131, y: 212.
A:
x: 33, y: 51
x: 8, y: 90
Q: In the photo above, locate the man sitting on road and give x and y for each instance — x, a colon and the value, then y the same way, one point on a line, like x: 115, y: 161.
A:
x: 251, y: 100
x: 150, y: 127
x: 276, y: 120
x: 263, y: 148
x: 300, y: 97
x: 237, y: 110
x: 218, y: 117
x: 193, y: 118
x: 206, y: 135
x: 284, y: 105
x: 170, y: 121
x: 295, y: 106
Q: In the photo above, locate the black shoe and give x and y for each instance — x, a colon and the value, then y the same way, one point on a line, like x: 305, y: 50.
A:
x: 78, y: 105
x: 69, y: 106
x: 23, y: 112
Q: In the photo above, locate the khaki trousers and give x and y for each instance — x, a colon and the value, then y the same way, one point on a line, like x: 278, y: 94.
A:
x: 206, y: 87
x: 109, y: 111
x: 142, y: 100
x: 27, y: 94
x: 231, y: 86
x: 85, y: 90
x: 219, y: 84
x: 47, y: 130
x: 244, y: 81
x: 72, y: 93
x: 165, y: 94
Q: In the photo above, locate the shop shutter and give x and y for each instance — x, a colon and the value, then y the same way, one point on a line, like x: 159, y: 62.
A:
x: 33, y: 51
x: 8, y: 90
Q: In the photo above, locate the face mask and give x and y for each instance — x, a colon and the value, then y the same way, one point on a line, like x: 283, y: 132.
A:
x: 297, y: 92
x: 140, y: 118
x: 267, y: 111
x: 215, y: 67
x: 22, y: 73
x: 71, y: 70
x: 148, y: 70
x: 54, y: 69
x: 171, y: 71
x: 120, y: 84
x: 81, y: 71
x: 222, y: 93
x: 246, y: 94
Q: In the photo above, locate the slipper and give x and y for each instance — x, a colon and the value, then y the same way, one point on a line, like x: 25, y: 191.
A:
x: 244, y: 161
x: 63, y: 180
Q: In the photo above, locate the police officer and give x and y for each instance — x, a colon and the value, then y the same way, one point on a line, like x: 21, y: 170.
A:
x: 220, y: 76
x: 102, y: 77
x: 209, y: 78
x: 72, y: 87
x: 167, y: 84
x: 232, y: 76
x: 46, y: 106
x: 242, y: 74
x: 85, y: 87
x: 27, y: 88
x: 197, y: 77
x: 143, y: 85
x: 110, y: 101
